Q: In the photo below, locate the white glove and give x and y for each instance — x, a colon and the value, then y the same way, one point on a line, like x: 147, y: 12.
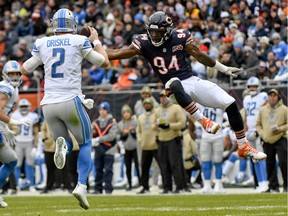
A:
x: 88, y: 103
x: 23, y: 121
x: 232, y: 70
x: 226, y: 70
x: 252, y: 135
x: 95, y: 142
x: 10, y: 137
x: 33, y: 153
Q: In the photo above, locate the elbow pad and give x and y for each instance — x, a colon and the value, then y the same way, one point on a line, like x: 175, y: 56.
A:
x: 95, y: 58
x: 31, y: 64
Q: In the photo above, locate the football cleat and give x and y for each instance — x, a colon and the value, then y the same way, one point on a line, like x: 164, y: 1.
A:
x: 249, y: 151
x: 60, y: 153
x: 210, y: 126
x: 3, y: 204
x: 80, y: 194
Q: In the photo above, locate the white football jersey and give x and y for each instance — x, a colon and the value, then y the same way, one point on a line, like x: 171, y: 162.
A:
x: 12, y: 94
x: 252, y: 106
x: 25, y: 132
x: 62, y: 56
x: 214, y: 114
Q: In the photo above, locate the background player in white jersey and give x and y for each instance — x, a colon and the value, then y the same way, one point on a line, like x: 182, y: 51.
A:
x: 211, y: 151
x: 12, y: 78
x: 25, y: 141
x: 63, y: 102
x: 252, y: 104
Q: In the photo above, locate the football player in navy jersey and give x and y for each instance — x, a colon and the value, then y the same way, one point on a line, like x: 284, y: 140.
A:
x: 166, y: 49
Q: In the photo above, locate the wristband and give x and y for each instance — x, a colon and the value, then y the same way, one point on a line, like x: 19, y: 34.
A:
x: 96, y: 42
x: 220, y: 67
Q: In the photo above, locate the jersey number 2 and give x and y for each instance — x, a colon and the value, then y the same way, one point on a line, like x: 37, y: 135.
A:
x: 61, y: 53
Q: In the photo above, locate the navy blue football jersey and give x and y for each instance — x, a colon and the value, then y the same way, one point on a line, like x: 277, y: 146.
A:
x: 168, y: 60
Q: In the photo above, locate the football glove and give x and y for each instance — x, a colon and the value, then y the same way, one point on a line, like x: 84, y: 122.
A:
x: 10, y: 137
x: 231, y: 71
x: 22, y: 121
x: 88, y: 103
x: 95, y: 142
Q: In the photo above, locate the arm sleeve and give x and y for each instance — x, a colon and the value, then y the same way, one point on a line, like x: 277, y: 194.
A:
x: 95, y: 58
x: 31, y: 64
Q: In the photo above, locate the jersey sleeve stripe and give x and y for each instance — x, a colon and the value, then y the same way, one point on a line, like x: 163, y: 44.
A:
x: 35, y: 49
x: 136, y: 46
x: 6, y: 90
x: 189, y: 40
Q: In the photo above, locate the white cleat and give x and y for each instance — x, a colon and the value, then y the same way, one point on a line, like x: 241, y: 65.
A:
x: 218, y: 188
x: 60, y: 153
x: 80, y: 194
x: 248, y: 151
x: 206, y: 190
x: 3, y: 204
x: 248, y: 182
x: 225, y: 180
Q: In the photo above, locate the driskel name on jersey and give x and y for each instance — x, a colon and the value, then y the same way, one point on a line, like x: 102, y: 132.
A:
x: 58, y: 42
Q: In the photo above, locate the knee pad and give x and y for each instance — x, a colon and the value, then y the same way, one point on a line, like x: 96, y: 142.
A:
x: 175, y: 92
x: 168, y: 84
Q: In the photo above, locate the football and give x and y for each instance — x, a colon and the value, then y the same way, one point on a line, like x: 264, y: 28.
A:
x: 85, y: 31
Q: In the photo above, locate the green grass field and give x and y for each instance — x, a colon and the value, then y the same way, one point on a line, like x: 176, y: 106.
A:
x: 176, y: 205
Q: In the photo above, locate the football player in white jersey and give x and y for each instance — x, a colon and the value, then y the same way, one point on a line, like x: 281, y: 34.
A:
x: 26, y: 140
x: 211, y: 151
x: 252, y: 104
x: 63, y: 102
x: 12, y: 78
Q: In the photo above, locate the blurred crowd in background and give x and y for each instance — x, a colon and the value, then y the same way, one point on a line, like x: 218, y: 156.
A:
x: 247, y: 34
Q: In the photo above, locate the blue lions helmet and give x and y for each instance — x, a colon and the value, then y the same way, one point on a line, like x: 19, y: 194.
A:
x: 253, y: 81
x: 64, y: 21
x: 9, y: 67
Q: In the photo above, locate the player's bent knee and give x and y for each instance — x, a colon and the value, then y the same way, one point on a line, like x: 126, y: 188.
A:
x: 168, y: 84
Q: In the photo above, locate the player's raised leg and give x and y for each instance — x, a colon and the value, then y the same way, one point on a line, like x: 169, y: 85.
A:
x: 174, y: 89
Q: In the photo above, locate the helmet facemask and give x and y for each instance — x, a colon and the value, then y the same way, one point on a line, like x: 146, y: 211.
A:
x: 253, y: 81
x: 24, y: 110
x: 24, y: 106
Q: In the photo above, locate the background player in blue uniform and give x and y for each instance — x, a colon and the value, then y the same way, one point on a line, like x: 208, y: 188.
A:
x: 166, y: 50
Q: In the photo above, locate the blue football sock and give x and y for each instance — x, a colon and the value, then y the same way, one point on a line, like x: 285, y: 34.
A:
x: 232, y: 158
x: 207, y: 169
x: 17, y: 173
x: 5, y: 171
x: 30, y: 174
x: 218, y: 170
x: 242, y: 165
x: 69, y: 144
x: 122, y: 167
x: 258, y: 171
x: 263, y: 170
x: 84, y: 161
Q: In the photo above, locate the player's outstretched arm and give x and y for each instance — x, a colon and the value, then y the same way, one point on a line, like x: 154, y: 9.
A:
x: 98, y: 46
x: 124, y: 53
x: 193, y: 50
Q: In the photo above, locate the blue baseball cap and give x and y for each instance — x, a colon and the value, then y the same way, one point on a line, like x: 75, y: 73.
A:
x: 105, y: 105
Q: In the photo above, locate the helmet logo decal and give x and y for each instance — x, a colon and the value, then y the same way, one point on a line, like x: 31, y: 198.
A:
x: 168, y: 20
